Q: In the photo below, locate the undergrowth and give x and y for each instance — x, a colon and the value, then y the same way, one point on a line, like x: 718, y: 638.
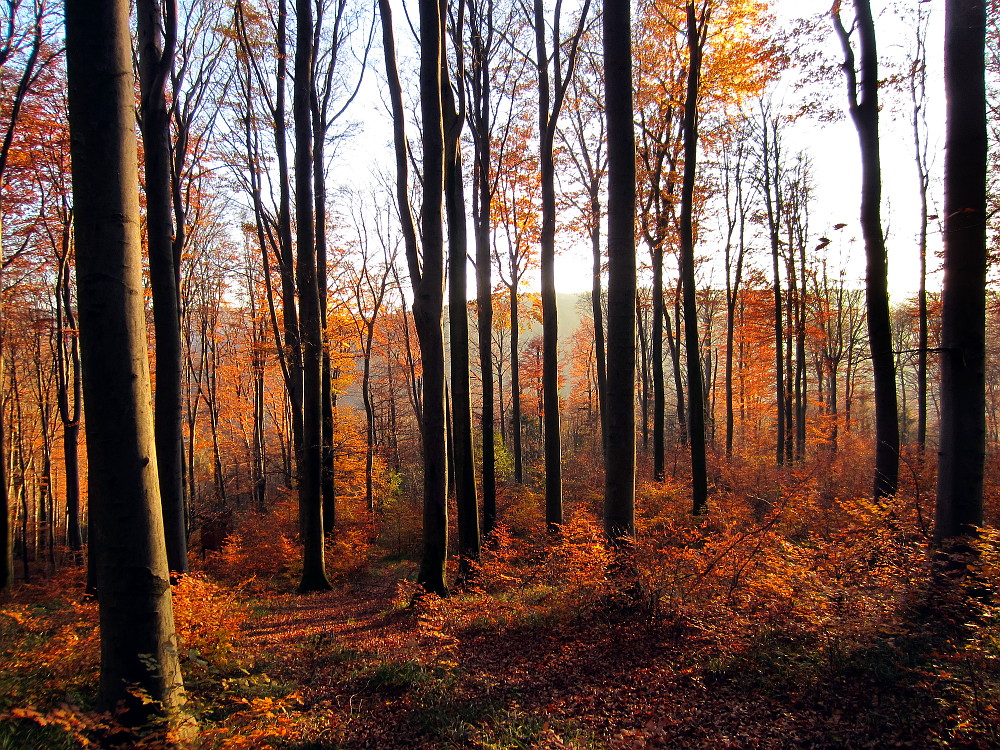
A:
x: 791, y: 617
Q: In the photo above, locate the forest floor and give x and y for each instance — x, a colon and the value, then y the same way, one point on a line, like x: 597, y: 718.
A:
x: 375, y: 673
x: 770, y: 630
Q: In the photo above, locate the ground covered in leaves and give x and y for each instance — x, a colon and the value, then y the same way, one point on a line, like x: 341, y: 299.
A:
x: 799, y: 621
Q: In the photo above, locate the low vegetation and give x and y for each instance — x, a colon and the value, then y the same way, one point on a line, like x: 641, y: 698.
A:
x: 799, y: 618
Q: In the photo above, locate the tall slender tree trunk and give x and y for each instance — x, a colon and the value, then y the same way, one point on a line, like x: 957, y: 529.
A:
x: 69, y: 394
x: 551, y: 93
x: 550, y: 323
x: 963, y: 324
x: 428, y: 301
x: 427, y: 278
x: 659, y: 384
x: 328, y: 477
x: 644, y: 369
x: 157, y: 36
x: 619, y: 468
x: 310, y: 464
x: 458, y: 320
x: 863, y: 105
x: 597, y: 310
x: 918, y: 95
x: 481, y: 30
x: 136, y: 617
x: 771, y: 156
x: 292, y: 349
x: 696, y: 398
x: 515, y: 384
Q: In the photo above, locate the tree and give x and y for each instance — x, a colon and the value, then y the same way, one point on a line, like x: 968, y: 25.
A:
x: 310, y: 463
x: 427, y: 277
x: 157, y: 39
x: 963, y: 324
x: 918, y: 96
x: 619, y: 469
x: 137, y: 629
x: 862, y: 97
x: 696, y: 30
x: 585, y: 151
x: 23, y: 45
x: 771, y: 185
x: 454, y: 114
x: 369, y: 288
x: 733, y: 166
x: 513, y: 194
x: 482, y: 46
x: 551, y: 95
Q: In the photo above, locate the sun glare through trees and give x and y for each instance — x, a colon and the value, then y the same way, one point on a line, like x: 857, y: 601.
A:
x: 305, y: 442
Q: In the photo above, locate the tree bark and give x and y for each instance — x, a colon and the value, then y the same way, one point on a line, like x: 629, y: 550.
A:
x: 963, y: 328
x: 863, y: 104
x: 619, y: 468
x: 696, y: 398
x: 481, y: 34
x: 550, y: 323
x: 157, y: 38
x: 551, y: 94
x: 458, y: 319
x: 427, y: 278
x: 310, y: 469
x: 136, y: 616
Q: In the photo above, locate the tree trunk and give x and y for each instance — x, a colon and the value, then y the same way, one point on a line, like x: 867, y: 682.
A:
x: 918, y: 94
x: 157, y: 36
x: 863, y: 105
x: 696, y: 398
x: 515, y: 385
x: 310, y: 473
x: 291, y: 352
x: 481, y: 30
x: 458, y: 320
x: 328, y: 477
x: 644, y: 370
x: 136, y: 617
x: 963, y: 331
x: 596, y: 306
x: 550, y: 323
x: 659, y: 383
x: 619, y: 468
x: 427, y: 279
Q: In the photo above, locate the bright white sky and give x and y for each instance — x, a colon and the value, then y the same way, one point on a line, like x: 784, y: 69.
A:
x: 832, y: 146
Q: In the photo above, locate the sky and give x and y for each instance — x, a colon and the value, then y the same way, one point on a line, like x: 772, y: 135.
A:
x: 832, y: 147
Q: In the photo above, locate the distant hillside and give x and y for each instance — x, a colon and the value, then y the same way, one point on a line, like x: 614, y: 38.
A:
x: 570, y: 308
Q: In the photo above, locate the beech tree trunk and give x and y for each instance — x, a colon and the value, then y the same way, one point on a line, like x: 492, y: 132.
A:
x: 619, y: 468
x: 550, y: 323
x: 862, y: 96
x: 310, y: 464
x: 963, y: 324
x: 696, y: 397
x: 427, y: 278
x: 551, y: 94
x: 515, y: 385
x: 458, y: 321
x: 69, y: 389
x: 157, y: 37
x: 138, y: 644
x: 481, y: 39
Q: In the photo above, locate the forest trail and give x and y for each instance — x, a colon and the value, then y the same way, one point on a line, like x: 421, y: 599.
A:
x: 376, y: 671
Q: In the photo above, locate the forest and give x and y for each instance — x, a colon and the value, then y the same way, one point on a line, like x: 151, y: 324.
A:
x: 499, y: 374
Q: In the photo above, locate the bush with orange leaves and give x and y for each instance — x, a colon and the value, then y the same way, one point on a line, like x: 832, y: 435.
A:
x: 527, y: 580
x: 793, y: 559
x: 261, y: 549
